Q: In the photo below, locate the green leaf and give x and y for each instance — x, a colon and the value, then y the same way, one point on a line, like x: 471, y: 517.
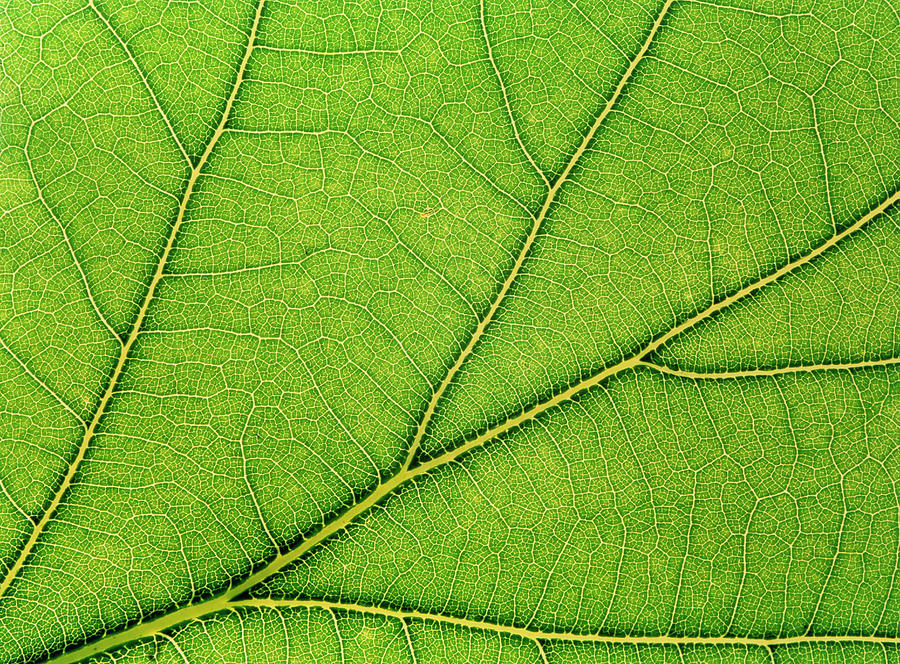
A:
x: 535, y: 331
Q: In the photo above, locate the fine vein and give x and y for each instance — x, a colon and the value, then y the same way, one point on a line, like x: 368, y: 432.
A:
x: 124, y: 354
x: 538, y: 635
x: 503, y: 93
x: 143, y: 78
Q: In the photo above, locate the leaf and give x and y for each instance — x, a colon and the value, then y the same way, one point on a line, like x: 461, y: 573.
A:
x: 501, y: 331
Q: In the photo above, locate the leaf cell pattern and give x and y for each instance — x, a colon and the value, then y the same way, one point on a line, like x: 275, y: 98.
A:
x: 432, y: 331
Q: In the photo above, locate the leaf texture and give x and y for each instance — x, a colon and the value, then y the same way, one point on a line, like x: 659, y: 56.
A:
x: 534, y: 331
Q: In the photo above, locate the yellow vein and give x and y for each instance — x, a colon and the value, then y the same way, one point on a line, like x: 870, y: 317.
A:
x: 640, y: 356
x: 538, y: 636
x: 721, y: 375
x: 825, y: 170
x: 529, y: 241
x: 72, y: 470
x: 409, y: 643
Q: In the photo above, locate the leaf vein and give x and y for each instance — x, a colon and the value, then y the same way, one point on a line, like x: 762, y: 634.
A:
x: 75, y: 464
x: 537, y: 635
x: 143, y: 78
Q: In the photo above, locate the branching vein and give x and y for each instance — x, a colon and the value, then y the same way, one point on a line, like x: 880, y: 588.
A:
x: 124, y: 355
x: 529, y: 240
x: 537, y: 636
x: 721, y: 375
x: 229, y: 599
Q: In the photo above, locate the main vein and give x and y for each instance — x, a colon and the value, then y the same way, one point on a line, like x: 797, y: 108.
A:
x: 125, y: 352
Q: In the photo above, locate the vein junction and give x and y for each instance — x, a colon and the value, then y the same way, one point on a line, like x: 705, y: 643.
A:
x: 229, y: 599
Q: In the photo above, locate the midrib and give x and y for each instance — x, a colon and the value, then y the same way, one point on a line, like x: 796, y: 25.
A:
x: 125, y: 351
x: 227, y: 600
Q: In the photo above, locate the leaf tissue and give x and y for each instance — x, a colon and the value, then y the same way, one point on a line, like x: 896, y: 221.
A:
x: 449, y: 331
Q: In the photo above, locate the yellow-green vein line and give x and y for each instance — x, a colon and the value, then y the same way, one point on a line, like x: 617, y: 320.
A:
x: 529, y: 240
x: 538, y: 635
x: 72, y: 470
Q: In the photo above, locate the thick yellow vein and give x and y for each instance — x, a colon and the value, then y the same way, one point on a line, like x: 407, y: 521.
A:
x: 804, y: 368
x: 537, y: 635
x: 92, y: 427
x: 532, y: 234
x: 225, y: 600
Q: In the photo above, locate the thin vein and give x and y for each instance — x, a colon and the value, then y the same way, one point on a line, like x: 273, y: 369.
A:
x: 409, y: 643
x: 590, y: 22
x: 825, y: 170
x: 43, y: 385
x: 177, y: 648
x: 805, y: 368
x: 13, y: 502
x: 335, y: 54
x: 246, y: 475
x: 337, y: 631
x: 62, y: 229
x: 506, y: 104
x: 144, y: 80
x: 74, y: 466
x: 538, y: 635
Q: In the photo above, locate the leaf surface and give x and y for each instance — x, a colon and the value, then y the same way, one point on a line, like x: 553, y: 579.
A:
x: 498, y: 331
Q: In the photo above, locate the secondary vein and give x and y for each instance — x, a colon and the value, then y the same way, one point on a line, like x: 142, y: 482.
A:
x: 125, y: 352
x: 529, y: 240
x: 538, y: 635
x: 803, y: 368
